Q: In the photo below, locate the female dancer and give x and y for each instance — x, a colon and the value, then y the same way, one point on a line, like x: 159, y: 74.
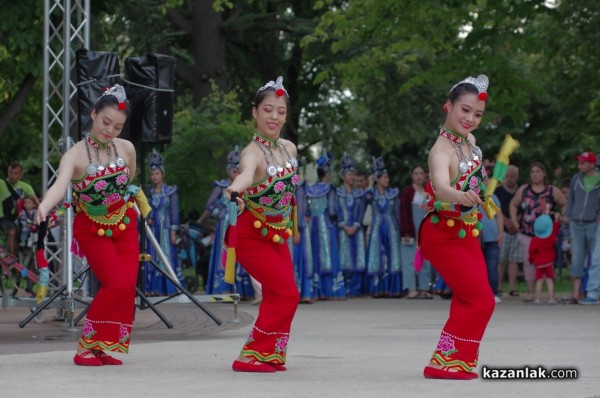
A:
x: 383, y: 244
x: 351, y: 211
x: 448, y: 238
x: 267, y: 181
x: 164, y: 221
x: 100, y: 168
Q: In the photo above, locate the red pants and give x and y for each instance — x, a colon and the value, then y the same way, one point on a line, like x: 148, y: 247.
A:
x: 270, y: 264
x: 461, y: 264
x: 114, y: 262
x: 544, y: 270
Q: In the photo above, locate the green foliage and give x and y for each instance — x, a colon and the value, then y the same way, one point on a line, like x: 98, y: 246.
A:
x: 20, y: 46
x: 202, y: 138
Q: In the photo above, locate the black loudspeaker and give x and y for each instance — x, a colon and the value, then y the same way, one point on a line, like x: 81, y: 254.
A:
x: 96, y: 71
x: 149, y: 83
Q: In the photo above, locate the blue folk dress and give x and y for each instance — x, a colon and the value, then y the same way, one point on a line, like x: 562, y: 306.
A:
x: 351, y: 211
x: 302, y: 252
x: 328, y: 280
x: 165, y: 218
x: 217, y: 208
x: 383, y: 250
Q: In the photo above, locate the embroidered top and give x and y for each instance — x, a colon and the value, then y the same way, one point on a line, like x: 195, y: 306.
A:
x: 102, y: 195
x: 472, y: 179
x: 273, y: 195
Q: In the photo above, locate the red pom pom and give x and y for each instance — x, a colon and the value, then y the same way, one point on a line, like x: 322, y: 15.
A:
x: 122, y: 106
x: 279, y: 92
x: 479, y: 216
x: 67, y: 205
x: 483, y: 96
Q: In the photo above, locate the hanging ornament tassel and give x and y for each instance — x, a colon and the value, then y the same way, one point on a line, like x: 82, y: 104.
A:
x: 230, y: 239
x: 294, y: 217
x: 42, y: 263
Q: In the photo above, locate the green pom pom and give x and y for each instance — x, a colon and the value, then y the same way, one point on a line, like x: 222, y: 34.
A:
x: 290, y: 223
x: 435, y: 219
x: 462, y: 233
x: 437, y: 205
x: 109, y: 232
x: 126, y: 220
x: 264, y: 232
x: 479, y: 225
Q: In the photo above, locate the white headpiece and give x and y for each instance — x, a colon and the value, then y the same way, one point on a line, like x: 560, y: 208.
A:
x: 119, y: 92
x: 277, y: 85
x: 481, y: 83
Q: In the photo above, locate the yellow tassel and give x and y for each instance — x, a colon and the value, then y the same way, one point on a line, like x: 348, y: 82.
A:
x: 295, y: 220
x: 489, y: 208
x: 230, y: 266
x: 142, y: 202
x: 41, y: 293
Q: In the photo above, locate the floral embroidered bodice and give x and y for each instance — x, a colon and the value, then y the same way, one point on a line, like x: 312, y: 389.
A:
x: 471, y: 179
x: 101, y: 195
x: 275, y: 193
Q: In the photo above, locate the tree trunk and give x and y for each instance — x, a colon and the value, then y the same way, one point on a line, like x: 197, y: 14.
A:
x: 17, y: 103
x: 208, y: 49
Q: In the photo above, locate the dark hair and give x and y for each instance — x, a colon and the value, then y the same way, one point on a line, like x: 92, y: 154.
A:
x: 460, y: 90
x: 110, y: 100
x: 15, y: 165
x: 412, y: 170
x: 565, y: 183
x: 262, y: 94
x: 541, y: 166
x: 321, y: 172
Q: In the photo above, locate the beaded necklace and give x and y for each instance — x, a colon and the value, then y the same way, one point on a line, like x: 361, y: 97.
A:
x: 92, y: 168
x: 274, y: 166
x: 464, y: 162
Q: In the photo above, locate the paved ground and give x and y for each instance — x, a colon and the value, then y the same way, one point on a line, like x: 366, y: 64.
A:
x: 355, y: 348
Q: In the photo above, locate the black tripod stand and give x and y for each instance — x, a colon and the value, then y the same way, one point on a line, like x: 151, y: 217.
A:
x: 146, y: 260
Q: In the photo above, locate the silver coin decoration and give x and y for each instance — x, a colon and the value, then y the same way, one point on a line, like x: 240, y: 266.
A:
x: 120, y: 162
x: 294, y: 162
x: 463, y: 167
x: 271, y: 170
x: 91, y: 169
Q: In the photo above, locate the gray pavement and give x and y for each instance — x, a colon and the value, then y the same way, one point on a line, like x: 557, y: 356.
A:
x: 354, y: 348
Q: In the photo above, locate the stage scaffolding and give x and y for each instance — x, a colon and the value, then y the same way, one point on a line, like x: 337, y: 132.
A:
x: 66, y: 28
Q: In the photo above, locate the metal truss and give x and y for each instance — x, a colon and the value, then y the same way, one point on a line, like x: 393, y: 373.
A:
x: 66, y: 28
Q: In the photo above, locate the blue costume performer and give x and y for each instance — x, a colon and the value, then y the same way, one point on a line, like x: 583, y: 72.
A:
x: 164, y: 223
x: 301, y: 249
x: 328, y: 280
x: 216, y: 207
x: 383, y: 250
x: 351, y: 211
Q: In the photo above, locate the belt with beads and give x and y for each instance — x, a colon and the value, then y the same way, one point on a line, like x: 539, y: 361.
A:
x: 470, y: 222
x: 109, y: 220
x: 275, y: 226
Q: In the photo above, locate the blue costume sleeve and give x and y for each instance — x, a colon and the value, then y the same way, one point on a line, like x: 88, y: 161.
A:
x: 175, y: 210
x: 361, y: 208
x: 332, y: 205
x: 339, y: 208
x: 397, y: 210
x: 211, y: 203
